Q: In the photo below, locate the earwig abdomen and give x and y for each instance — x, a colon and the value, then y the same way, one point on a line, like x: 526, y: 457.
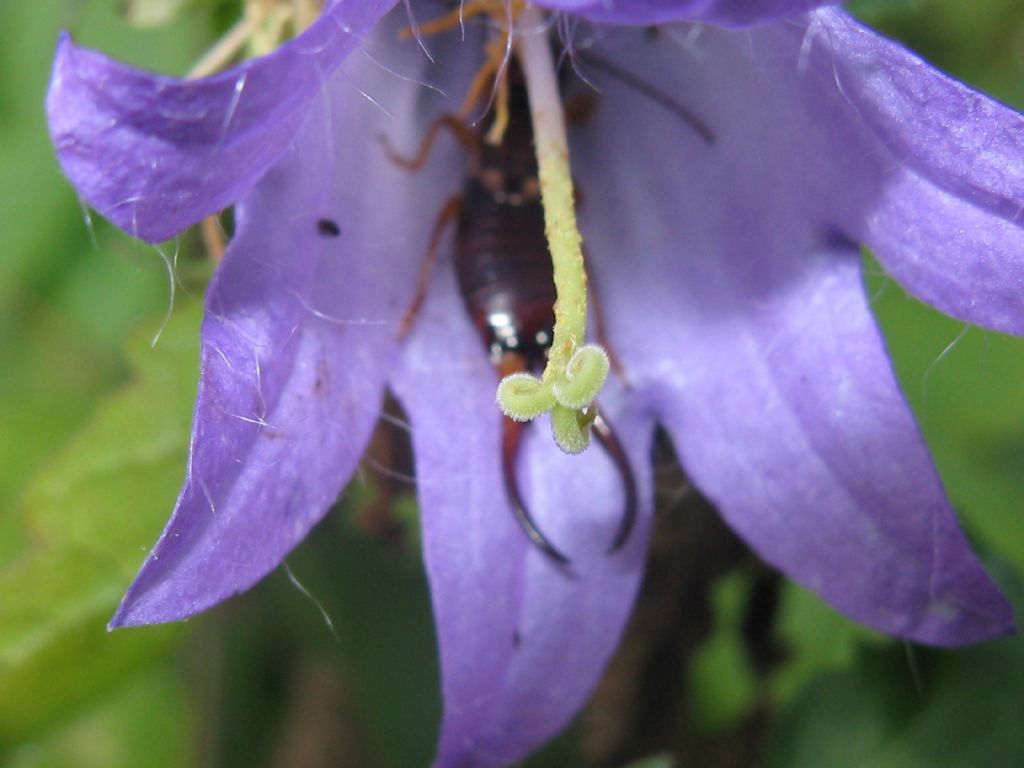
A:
x: 501, y: 253
x: 504, y: 274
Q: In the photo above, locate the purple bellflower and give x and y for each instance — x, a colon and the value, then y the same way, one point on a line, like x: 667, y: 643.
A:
x: 731, y: 285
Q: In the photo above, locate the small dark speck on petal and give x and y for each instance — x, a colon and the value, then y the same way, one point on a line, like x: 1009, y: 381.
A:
x: 328, y: 228
x: 517, y: 639
x: 320, y: 385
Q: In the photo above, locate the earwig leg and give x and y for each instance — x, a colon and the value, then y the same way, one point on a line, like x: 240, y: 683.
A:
x: 511, y: 436
x: 501, y: 116
x: 599, y: 326
x: 465, y: 136
x: 652, y: 92
x: 606, y: 437
x: 448, y: 214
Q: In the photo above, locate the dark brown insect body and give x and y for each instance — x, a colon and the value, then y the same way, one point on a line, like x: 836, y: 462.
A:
x: 505, y: 278
x: 501, y: 253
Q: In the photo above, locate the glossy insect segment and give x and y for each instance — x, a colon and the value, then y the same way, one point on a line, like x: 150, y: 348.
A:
x: 506, y: 277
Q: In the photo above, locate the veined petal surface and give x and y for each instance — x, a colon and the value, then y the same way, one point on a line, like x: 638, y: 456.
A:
x: 155, y: 154
x: 522, y: 641
x: 737, y: 306
x: 300, y: 336
x: 947, y: 219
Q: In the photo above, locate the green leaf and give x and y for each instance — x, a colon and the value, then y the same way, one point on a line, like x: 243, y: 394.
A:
x: 110, y: 490
x: 903, y: 707
x: 68, y: 296
x: 144, y: 725
x: 817, y: 639
x: 67, y: 352
x: 723, y: 686
x: 90, y: 515
x: 967, y: 712
x: 380, y: 606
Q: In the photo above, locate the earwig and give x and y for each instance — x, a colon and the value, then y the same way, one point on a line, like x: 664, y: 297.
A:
x: 505, y: 278
x: 506, y: 283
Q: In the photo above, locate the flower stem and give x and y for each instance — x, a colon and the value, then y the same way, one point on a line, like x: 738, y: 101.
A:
x: 575, y: 372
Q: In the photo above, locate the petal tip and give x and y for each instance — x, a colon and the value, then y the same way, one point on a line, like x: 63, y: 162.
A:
x: 144, y: 607
x: 964, y: 624
x: 63, y: 40
x: 136, y: 611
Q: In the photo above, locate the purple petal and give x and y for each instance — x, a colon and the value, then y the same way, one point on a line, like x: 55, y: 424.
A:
x: 948, y: 219
x: 742, y: 317
x: 870, y: 141
x: 726, y: 13
x: 155, y: 154
x: 297, y: 344
x: 522, y: 644
x: 796, y: 428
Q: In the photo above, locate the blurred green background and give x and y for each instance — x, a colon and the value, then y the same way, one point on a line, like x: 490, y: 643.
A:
x: 93, y: 434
